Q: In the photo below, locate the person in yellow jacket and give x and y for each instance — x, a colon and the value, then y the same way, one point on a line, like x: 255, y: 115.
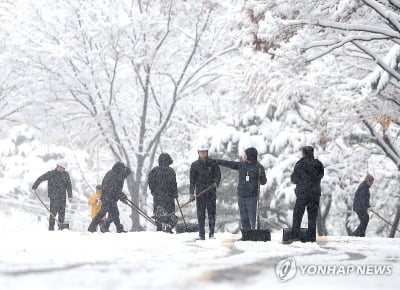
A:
x: 95, y: 202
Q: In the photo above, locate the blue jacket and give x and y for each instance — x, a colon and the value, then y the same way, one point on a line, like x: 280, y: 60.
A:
x: 361, y: 198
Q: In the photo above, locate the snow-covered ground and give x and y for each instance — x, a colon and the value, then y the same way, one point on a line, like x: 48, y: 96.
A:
x: 33, y: 258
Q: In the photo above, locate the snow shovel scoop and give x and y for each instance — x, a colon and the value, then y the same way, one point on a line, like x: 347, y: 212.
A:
x: 188, y: 227
x: 256, y: 234
x: 185, y: 227
x: 166, y: 226
x: 379, y: 216
x: 61, y: 226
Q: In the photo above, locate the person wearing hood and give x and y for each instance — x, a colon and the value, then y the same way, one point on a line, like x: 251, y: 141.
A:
x: 205, y: 173
x: 163, y: 187
x: 361, y: 205
x: 307, y: 175
x: 58, y: 187
x: 112, y: 185
x: 251, y: 173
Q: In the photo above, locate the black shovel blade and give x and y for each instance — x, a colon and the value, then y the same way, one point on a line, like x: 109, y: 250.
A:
x: 288, y: 234
x: 63, y: 227
x: 188, y: 228
x: 256, y: 235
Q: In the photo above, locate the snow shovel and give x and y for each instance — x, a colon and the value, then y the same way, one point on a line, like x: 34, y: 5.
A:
x: 256, y: 234
x: 379, y: 216
x: 61, y: 226
x: 142, y: 213
x: 185, y: 227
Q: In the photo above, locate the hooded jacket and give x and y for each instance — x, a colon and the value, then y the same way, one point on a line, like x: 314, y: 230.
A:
x: 58, y: 184
x: 307, y: 175
x: 113, y: 182
x: 162, y: 181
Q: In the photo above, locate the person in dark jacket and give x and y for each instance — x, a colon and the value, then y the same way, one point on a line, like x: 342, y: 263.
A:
x: 58, y: 186
x: 112, y: 185
x: 163, y: 187
x: 361, y: 205
x: 251, y: 173
x: 205, y: 173
x: 307, y: 175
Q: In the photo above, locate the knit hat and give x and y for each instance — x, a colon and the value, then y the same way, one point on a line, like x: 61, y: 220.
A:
x: 251, y: 154
x: 62, y: 163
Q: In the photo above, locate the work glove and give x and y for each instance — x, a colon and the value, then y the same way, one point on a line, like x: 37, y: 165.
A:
x: 123, y: 197
x: 192, y: 197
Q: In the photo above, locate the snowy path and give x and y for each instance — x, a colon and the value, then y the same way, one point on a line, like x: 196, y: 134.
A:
x: 148, y: 260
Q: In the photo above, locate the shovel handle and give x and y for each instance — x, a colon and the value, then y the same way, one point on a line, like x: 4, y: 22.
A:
x: 386, y: 221
x: 45, y: 206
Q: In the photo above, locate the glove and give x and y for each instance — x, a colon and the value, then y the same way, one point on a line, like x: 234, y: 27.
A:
x: 127, y: 171
x: 34, y: 191
x: 123, y: 197
x: 215, y: 185
x: 192, y: 197
x: 70, y: 199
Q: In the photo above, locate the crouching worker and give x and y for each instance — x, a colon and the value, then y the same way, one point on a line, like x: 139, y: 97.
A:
x: 251, y: 172
x: 112, y: 185
x: 307, y: 175
x: 95, y: 203
x: 163, y: 187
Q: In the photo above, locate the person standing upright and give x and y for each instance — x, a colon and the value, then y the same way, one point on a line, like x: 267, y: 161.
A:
x: 163, y: 187
x: 361, y: 205
x: 205, y: 173
x: 307, y: 175
x: 58, y: 187
x: 251, y: 173
x: 112, y: 185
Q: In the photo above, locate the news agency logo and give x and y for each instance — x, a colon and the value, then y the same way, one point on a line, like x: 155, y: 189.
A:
x: 287, y: 269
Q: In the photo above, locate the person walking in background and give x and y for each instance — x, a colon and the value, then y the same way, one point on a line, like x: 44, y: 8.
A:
x: 95, y: 203
x: 163, y: 187
x: 205, y: 173
x: 307, y: 175
x: 112, y: 185
x: 58, y: 187
x: 251, y: 173
x: 361, y: 205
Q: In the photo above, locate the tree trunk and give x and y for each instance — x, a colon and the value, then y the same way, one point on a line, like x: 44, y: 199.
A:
x: 395, y: 223
x: 133, y: 187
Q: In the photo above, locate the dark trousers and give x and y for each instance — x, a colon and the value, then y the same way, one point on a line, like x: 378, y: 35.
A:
x: 364, y: 219
x: 57, y: 207
x: 210, y: 203
x: 248, y: 212
x: 111, y: 208
x: 312, y: 204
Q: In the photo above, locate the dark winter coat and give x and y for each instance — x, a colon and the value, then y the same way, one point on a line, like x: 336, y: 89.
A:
x: 162, y: 184
x: 204, y: 173
x: 247, y: 186
x: 307, y: 175
x: 58, y: 184
x: 113, y: 182
x: 361, y: 198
